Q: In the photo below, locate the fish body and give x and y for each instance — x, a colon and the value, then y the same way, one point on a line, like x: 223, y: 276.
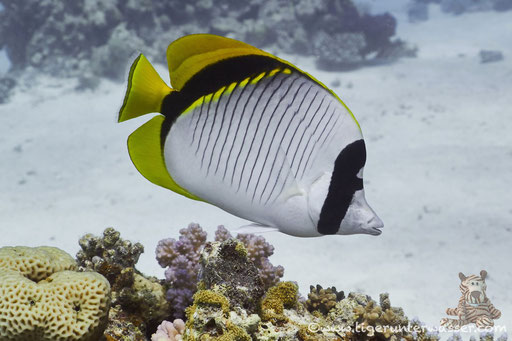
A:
x: 251, y: 134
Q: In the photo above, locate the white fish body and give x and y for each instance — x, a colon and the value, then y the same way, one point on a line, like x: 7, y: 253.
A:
x: 262, y: 166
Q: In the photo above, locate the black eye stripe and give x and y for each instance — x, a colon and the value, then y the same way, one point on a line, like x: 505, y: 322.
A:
x: 344, y: 183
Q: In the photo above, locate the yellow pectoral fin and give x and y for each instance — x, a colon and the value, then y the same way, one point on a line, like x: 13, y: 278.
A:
x: 147, y: 155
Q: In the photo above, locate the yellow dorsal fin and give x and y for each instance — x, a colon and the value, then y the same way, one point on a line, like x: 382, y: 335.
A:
x: 145, y: 92
x: 190, y: 54
x: 146, y: 153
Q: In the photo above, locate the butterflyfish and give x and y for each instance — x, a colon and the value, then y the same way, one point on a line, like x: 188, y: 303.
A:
x: 252, y: 134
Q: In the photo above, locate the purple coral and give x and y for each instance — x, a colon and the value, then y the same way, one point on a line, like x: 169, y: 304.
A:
x: 181, y: 258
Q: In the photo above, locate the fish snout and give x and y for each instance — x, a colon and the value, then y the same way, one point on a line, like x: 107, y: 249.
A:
x: 374, y: 225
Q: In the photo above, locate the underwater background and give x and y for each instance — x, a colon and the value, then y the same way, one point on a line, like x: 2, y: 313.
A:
x: 430, y: 82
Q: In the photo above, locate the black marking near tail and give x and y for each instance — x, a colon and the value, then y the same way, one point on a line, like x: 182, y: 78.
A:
x: 344, y: 183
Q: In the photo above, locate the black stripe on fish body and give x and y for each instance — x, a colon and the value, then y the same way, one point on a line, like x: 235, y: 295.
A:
x: 268, y: 123
x: 272, y: 140
x: 211, y: 79
x: 299, y: 123
x: 344, y: 183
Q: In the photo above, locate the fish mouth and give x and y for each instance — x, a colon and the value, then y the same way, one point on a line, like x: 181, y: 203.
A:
x: 375, y: 231
x: 374, y: 226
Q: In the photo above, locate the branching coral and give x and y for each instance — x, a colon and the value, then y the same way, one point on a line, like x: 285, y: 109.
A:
x: 137, y: 301
x: 181, y: 257
x: 109, y: 255
x: 323, y: 300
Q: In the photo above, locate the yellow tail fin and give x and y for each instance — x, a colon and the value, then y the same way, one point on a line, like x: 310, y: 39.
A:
x: 145, y: 92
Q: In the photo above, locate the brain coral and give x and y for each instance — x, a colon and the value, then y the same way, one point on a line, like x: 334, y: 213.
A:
x: 35, y: 263
x: 39, y: 304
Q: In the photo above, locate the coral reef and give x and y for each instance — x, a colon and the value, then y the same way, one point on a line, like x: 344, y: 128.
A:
x: 138, y: 302
x: 108, y: 255
x: 461, y: 6
x: 323, y: 300
x: 258, y: 252
x: 43, y: 300
x: 182, y: 259
x: 169, y: 331
x: 36, y: 263
x: 418, y: 9
x: 227, y: 269
x: 283, y: 295
x: 97, y: 38
x: 7, y: 85
x: 218, y: 314
x: 489, y: 56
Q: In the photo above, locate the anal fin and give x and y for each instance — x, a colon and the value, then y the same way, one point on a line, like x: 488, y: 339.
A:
x: 254, y: 228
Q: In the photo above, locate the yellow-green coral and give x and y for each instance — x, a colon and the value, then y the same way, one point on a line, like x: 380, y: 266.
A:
x: 234, y: 333
x: 281, y: 296
x: 240, y: 248
x: 231, y: 332
x: 209, y: 297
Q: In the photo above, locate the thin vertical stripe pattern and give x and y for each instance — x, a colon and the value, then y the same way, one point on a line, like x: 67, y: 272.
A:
x: 259, y: 135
